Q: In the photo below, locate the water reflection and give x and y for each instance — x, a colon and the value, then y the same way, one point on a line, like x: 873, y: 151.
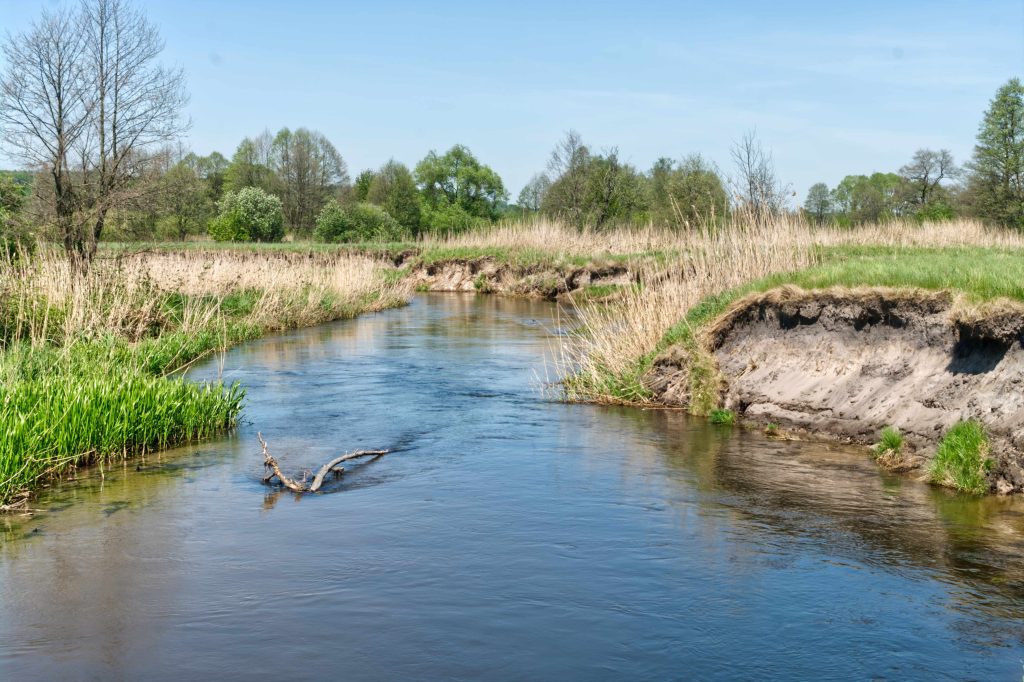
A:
x: 509, y: 538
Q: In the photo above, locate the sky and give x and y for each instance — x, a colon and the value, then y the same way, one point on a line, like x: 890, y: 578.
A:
x: 831, y: 88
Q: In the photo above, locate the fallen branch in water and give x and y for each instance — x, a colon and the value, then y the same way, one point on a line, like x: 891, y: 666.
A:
x: 274, y: 471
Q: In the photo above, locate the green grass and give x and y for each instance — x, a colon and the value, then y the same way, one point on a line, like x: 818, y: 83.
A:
x: 891, y: 441
x: 723, y: 417
x: 962, y: 460
x: 981, y: 274
x: 96, y: 401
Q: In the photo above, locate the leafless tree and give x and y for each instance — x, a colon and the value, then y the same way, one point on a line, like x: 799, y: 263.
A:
x: 927, y: 170
x: 137, y: 100
x: 46, y: 111
x: 757, y: 186
x: 84, y: 98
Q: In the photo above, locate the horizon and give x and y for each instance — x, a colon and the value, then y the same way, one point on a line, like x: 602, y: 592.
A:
x: 856, y: 97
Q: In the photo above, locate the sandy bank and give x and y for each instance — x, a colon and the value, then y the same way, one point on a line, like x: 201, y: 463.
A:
x: 487, y: 275
x: 846, y: 363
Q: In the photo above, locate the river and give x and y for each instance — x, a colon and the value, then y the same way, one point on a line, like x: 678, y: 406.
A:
x: 508, y: 537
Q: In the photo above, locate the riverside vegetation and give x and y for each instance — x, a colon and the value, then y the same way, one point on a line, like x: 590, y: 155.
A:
x: 92, y: 365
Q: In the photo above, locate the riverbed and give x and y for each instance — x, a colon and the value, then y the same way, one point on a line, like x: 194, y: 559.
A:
x: 508, y: 536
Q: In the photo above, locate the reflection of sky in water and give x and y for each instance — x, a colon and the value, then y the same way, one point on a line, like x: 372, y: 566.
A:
x: 508, y: 538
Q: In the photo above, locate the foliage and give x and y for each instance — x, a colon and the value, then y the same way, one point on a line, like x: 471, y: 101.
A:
x: 185, y: 200
x: 457, y: 180
x: 862, y: 199
x: 723, y: 417
x: 686, y: 194
x: 309, y: 171
x: 448, y: 219
x: 891, y: 441
x: 361, y: 188
x: 593, y: 189
x: 818, y: 205
x: 997, y: 180
x: 394, y: 190
x: 250, y: 166
x: 250, y: 214
x: 531, y: 197
x: 962, y: 460
x: 359, y: 222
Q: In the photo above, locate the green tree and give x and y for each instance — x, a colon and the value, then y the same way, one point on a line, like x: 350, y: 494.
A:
x: 248, y: 215
x: 818, y: 205
x: 361, y: 189
x: 250, y: 165
x: 184, y: 199
x: 457, y: 179
x: 876, y: 198
x: 593, y: 190
x: 924, y: 175
x: 686, y: 194
x: 532, y: 195
x: 359, y: 222
x: 309, y: 171
x: 997, y: 169
x: 394, y: 190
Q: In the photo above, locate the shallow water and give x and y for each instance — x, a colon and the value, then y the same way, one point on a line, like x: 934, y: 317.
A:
x: 507, y: 538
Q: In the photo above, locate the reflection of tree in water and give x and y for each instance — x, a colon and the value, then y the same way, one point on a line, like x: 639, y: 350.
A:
x: 835, y: 497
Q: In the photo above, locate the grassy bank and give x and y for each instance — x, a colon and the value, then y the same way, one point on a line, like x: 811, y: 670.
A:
x: 608, y: 360
x: 92, y: 366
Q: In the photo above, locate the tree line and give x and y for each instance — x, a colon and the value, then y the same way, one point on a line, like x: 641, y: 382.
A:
x: 95, y: 118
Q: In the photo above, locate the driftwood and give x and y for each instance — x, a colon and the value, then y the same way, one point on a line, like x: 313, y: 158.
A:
x: 274, y: 471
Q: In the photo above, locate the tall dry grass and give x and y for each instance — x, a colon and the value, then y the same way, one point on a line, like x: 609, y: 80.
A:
x: 46, y: 302
x: 85, y: 359
x: 604, y: 358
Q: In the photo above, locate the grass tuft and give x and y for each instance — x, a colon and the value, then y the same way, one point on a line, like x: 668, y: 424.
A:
x: 962, y: 460
x: 723, y: 417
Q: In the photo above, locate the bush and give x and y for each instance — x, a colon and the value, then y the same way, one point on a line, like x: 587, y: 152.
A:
x: 15, y: 237
x: 360, y: 222
x: 448, y: 219
x: 962, y: 460
x: 248, y: 215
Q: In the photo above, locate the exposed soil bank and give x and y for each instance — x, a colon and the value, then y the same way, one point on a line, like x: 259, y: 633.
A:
x: 845, y: 364
x: 487, y: 275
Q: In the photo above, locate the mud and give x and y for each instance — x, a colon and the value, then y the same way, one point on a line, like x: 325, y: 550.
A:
x: 846, y: 363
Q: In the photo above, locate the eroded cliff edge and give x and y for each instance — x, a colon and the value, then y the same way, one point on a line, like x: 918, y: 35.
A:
x: 847, y: 363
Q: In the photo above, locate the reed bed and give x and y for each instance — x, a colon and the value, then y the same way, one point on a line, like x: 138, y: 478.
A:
x: 606, y: 359
x: 91, y: 365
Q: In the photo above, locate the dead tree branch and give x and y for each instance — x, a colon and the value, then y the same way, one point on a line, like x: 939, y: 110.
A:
x: 274, y: 471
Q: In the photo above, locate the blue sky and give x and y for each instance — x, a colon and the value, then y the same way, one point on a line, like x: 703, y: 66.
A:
x: 832, y: 88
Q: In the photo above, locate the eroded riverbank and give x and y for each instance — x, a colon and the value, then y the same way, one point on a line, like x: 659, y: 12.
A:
x: 510, y: 537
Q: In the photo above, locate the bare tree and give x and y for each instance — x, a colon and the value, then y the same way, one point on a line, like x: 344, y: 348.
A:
x: 927, y: 170
x: 46, y: 111
x: 757, y: 186
x: 85, y: 99
x: 137, y: 101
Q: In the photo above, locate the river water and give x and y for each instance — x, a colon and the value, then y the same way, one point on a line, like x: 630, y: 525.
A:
x: 508, y: 537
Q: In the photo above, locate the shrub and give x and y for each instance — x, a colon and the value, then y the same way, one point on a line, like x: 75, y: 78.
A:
x: 962, y: 460
x: 724, y: 417
x: 248, y: 215
x: 448, y: 219
x: 355, y: 223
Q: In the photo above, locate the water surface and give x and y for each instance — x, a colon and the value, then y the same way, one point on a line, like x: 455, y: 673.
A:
x: 509, y: 537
